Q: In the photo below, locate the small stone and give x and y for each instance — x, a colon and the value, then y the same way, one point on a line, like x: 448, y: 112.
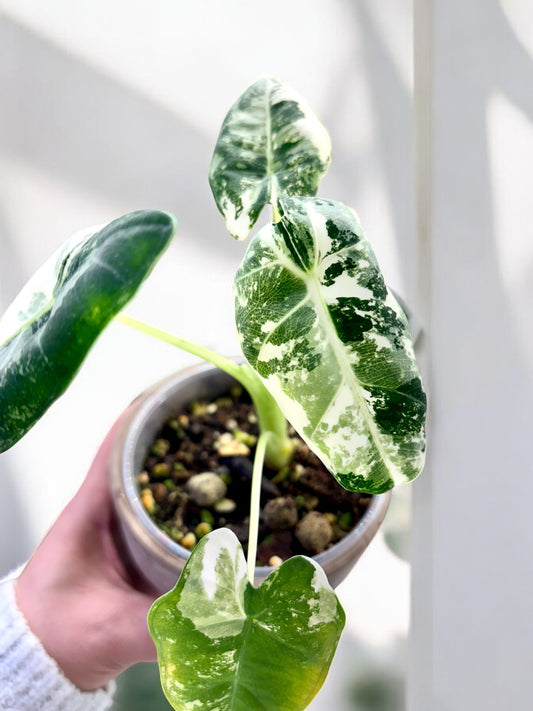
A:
x: 160, y: 470
x: 280, y: 513
x: 346, y: 521
x: 297, y: 472
x: 188, y: 541
x: 206, y: 489
x: 275, y: 561
x: 183, y: 420
x: 176, y: 534
x: 160, y: 447
x: 211, y: 408
x: 198, y: 408
x: 159, y: 492
x: 252, y: 418
x: 314, y: 532
x: 231, y: 424
x: 143, y: 478
x: 228, y: 446
x: 225, y: 506
x: 148, y: 501
x: 202, y: 529
x: 174, y: 424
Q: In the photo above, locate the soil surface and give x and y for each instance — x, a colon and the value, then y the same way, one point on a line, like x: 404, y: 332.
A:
x: 303, y: 509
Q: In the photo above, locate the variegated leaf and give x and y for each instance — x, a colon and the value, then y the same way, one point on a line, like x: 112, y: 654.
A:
x: 224, y: 645
x: 333, y: 346
x: 271, y: 144
x: 47, y: 331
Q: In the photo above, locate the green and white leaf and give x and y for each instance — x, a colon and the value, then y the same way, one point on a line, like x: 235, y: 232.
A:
x: 48, y: 329
x: 318, y: 324
x: 271, y: 144
x: 224, y: 645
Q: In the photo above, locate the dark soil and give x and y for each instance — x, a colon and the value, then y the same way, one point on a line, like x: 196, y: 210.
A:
x: 198, y: 439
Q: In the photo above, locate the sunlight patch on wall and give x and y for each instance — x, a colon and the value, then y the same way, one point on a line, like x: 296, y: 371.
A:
x: 190, y: 57
x: 510, y: 144
x: 520, y: 16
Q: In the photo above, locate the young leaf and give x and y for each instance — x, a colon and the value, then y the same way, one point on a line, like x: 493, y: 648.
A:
x: 47, y: 331
x: 223, y: 644
x: 271, y: 144
x: 333, y: 346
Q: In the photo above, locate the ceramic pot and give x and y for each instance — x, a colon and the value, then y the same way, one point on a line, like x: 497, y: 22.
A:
x: 155, y: 555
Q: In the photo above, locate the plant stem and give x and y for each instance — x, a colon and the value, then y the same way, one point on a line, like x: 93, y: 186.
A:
x: 255, y: 502
x: 271, y: 419
x: 221, y: 362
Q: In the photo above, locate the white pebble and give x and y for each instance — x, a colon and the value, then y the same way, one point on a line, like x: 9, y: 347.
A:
x: 206, y: 489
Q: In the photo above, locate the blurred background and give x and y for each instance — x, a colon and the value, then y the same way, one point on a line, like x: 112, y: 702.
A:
x: 112, y: 106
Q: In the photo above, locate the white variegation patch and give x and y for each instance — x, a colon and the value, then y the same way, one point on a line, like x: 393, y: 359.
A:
x: 298, y: 416
x: 324, y: 606
x: 343, y: 285
x: 215, y: 547
x: 237, y: 215
x: 349, y: 382
x: 308, y: 126
x: 218, y: 558
x: 269, y: 351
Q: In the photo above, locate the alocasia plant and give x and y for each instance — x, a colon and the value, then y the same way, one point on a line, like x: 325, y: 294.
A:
x: 328, y: 348
x: 330, y: 342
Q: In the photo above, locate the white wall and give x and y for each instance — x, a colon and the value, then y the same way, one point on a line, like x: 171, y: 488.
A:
x: 472, y: 572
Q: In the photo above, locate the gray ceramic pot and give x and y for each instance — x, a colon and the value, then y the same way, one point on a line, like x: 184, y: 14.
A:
x: 156, y: 556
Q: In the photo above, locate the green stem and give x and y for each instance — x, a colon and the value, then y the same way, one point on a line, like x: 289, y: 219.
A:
x: 255, y: 502
x: 271, y: 419
x: 224, y: 364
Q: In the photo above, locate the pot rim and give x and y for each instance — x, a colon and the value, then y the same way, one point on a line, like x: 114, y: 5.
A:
x: 128, y: 501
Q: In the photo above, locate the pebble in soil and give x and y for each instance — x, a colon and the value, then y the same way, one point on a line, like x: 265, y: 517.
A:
x: 197, y: 477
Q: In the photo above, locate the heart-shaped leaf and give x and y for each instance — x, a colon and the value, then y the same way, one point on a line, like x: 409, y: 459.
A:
x: 223, y: 644
x: 271, y: 144
x: 332, y: 345
x: 48, y: 329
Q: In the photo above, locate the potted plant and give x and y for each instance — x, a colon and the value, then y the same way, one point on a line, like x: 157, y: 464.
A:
x: 189, y: 425
x: 328, y: 348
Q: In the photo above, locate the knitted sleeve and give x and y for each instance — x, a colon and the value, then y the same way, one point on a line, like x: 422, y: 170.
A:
x: 29, y: 678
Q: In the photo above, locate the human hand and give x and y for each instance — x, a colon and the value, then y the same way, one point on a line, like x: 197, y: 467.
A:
x: 77, y: 595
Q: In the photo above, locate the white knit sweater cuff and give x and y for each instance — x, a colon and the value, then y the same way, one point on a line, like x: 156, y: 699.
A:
x: 29, y: 678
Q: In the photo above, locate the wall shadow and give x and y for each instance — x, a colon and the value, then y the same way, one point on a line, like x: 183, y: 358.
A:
x: 69, y: 119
